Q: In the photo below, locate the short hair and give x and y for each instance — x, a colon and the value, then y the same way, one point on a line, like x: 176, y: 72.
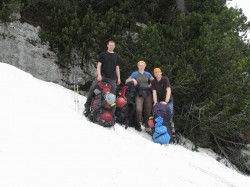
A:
x: 141, y: 61
x: 110, y: 40
x: 157, y: 70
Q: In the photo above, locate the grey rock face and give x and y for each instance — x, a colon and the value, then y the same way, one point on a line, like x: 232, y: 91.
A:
x: 20, y: 46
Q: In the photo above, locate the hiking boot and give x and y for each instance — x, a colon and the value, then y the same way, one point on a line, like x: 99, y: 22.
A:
x: 148, y: 130
x: 138, y: 126
x: 172, y: 127
x: 86, y: 112
x: 175, y: 139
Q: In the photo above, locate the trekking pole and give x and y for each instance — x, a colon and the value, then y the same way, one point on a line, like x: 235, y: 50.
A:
x: 77, y: 94
x: 76, y: 84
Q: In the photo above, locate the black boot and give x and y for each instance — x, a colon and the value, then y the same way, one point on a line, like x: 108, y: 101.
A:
x: 138, y: 126
x: 86, y: 112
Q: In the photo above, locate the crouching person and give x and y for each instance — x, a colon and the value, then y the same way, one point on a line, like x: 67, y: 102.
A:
x: 163, y: 99
x: 161, y: 89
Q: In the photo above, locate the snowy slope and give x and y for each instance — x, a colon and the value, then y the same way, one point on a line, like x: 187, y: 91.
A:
x: 45, y: 143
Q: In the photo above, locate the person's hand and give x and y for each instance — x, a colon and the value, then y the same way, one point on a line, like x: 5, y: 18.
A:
x: 135, y: 82
x: 163, y: 102
x: 99, y: 77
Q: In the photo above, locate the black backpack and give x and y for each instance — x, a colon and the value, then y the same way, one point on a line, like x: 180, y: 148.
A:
x: 126, y: 115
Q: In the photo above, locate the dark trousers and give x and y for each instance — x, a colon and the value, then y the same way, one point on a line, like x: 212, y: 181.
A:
x: 143, y: 105
x: 93, y: 86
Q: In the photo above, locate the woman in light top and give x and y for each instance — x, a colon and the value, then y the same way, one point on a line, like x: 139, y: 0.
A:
x: 142, y: 79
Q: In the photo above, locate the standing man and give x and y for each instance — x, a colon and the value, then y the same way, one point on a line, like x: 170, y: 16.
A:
x: 107, y: 70
x: 162, y: 91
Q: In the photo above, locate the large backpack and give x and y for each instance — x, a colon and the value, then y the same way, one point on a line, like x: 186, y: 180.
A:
x: 162, y: 115
x: 120, y: 113
x: 126, y: 115
x: 102, y: 109
x: 161, y: 134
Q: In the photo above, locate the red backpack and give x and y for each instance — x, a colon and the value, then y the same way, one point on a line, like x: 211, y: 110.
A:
x: 102, y: 110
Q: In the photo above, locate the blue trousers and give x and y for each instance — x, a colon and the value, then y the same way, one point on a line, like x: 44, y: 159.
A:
x: 170, y: 105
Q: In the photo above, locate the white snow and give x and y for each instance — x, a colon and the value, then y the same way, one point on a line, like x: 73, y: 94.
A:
x: 44, y: 142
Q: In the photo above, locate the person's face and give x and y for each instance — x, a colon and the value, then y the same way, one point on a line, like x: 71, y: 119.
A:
x: 141, y: 66
x: 111, y: 46
x: 158, y: 74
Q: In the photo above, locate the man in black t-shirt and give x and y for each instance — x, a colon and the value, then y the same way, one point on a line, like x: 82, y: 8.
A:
x: 107, y: 70
x: 161, y: 89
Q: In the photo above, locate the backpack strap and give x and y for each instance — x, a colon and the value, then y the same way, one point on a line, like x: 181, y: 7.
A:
x: 124, y: 90
x: 159, y: 135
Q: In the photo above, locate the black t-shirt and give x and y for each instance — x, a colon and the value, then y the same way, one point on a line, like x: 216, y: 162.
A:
x: 161, y: 88
x: 109, y: 62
